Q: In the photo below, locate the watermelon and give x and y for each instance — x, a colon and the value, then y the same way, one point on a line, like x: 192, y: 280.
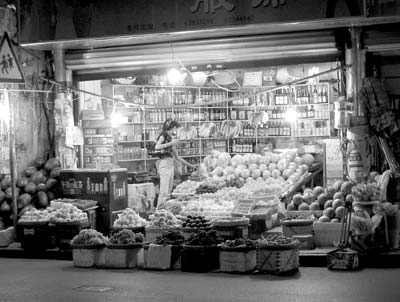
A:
x: 41, y: 187
x: 29, y: 171
x: 30, y: 188
x: 43, y: 200
x: 38, y: 178
x: 52, y: 163
x: 39, y: 163
x: 51, y: 183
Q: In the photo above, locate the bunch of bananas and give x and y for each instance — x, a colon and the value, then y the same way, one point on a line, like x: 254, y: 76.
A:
x: 258, y: 118
x: 207, y: 130
x: 231, y: 128
x: 186, y: 133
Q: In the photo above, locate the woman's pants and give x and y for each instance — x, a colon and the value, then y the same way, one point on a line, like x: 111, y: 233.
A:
x: 166, y: 172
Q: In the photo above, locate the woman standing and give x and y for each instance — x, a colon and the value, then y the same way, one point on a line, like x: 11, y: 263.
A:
x: 166, y: 143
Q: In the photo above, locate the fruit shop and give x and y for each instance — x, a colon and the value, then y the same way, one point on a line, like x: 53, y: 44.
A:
x: 292, y: 150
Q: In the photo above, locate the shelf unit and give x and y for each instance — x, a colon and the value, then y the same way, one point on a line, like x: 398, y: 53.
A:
x: 140, y: 126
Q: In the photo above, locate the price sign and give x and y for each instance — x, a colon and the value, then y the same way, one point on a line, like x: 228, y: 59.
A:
x: 333, y: 169
x: 243, y: 206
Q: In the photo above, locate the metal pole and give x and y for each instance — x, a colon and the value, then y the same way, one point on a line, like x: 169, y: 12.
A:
x: 13, y: 158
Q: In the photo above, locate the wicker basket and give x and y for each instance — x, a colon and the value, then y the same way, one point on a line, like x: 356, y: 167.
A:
x: 291, y: 228
x: 169, y: 257
x: 237, y: 259
x: 199, y: 259
x: 278, y: 259
x: 152, y: 233
x: 88, y: 255
x: 122, y: 256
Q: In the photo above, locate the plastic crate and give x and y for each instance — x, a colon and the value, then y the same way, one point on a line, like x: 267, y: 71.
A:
x: 64, y: 232
x: 88, y: 256
x: 343, y: 259
x: 122, y: 256
x: 36, y: 235
x: 199, y: 259
x: 276, y: 260
x: 237, y: 260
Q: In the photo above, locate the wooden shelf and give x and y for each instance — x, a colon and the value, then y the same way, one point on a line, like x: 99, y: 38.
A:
x: 97, y: 135
x: 137, y: 159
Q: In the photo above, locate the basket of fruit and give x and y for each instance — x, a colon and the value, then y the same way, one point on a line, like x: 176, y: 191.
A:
x: 88, y: 249
x: 161, y: 221
x: 34, y: 232
x: 297, y: 225
x: 122, y: 249
x: 200, y: 252
x: 232, y: 227
x: 164, y: 252
x: 129, y: 219
x: 277, y: 254
x: 237, y: 255
x: 193, y: 224
x: 67, y: 221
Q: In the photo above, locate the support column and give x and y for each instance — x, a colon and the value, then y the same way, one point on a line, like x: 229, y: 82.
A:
x: 355, y: 58
x: 63, y: 115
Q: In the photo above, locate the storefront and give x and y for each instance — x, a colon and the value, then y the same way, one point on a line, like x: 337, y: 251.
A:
x: 256, y: 81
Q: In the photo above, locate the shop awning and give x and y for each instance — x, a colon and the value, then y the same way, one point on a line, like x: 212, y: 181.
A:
x: 227, y: 52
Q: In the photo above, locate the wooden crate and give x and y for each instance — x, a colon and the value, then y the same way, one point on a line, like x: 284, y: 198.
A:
x: 326, y: 233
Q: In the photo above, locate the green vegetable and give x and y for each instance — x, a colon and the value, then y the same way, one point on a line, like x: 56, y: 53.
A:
x: 126, y: 237
x: 89, y: 237
x: 170, y: 238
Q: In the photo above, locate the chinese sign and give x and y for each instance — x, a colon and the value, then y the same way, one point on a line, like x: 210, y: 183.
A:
x: 67, y: 19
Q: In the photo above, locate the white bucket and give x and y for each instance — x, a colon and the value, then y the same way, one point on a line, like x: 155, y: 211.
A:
x: 358, y: 154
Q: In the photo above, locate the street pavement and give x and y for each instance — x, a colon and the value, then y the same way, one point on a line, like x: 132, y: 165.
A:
x: 55, y: 280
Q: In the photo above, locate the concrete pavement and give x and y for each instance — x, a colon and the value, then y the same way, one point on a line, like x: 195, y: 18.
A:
x: 57, y: 280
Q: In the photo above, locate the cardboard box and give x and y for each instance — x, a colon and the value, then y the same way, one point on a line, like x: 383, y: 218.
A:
x: 326, y: 233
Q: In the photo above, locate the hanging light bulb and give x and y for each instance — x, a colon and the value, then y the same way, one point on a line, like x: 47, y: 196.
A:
x: 174, y: 76
x: 291, y: 115
x: 116, y: 119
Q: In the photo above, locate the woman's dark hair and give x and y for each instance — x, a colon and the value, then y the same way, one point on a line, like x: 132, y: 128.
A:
x: 169, y: 124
